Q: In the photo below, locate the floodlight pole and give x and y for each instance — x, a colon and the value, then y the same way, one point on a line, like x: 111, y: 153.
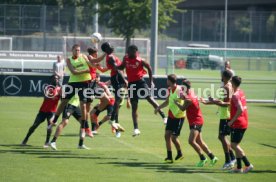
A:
x: 154, y: 36
x: 95, y: 18
x: 225, y: 27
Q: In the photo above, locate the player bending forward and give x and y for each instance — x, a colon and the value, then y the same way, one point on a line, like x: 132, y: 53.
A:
x: 107, y: 102
x: 72, y: 108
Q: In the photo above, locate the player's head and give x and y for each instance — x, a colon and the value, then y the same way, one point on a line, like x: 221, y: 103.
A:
x: 93, y: 51
x: 132, y: 51
x: 98, y: 77
x: 226, y: 75
x: 227, y: 64
x: 186, y: 83
x: 54, y: 80
x: 236, y: 81
x: 59, y: 58
x: 171, y: 80
x: 107, y: 48
x: 76, y: 50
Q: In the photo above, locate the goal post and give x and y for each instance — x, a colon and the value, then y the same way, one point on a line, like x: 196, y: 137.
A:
x: 213, y: 58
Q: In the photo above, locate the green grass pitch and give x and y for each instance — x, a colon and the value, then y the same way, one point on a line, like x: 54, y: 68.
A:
x: 127, y: 158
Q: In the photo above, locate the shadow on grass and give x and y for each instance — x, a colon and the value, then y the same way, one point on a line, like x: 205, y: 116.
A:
x: 163, y: 167
x: 262, y: 171
x: 267, y: 145
x: 50, y: 154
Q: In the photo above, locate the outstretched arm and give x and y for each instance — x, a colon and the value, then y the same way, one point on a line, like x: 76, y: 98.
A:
x: 183, y: 107
x: 164, y: 104
x: 96, y: 60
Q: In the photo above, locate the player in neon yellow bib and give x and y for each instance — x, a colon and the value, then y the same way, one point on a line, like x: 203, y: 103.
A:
x: 225, y: 93
x: 175, y: 118
x: 79, y: 80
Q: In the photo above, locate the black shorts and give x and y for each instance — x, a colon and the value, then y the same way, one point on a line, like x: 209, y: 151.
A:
x: 138, y: 90
x: 196, y: 127
x: 41, y: 116
x: 82, y: 90
x: 71, y: 110
x: 237, y: 135
x: 117, y: 83
x: 174, y: 125
x: 224, y: 129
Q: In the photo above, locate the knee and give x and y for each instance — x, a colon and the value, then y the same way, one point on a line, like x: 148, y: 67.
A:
x: 174, y: 138
x: 167, y: 136
x: 234, y: 146
x: 191, y: 141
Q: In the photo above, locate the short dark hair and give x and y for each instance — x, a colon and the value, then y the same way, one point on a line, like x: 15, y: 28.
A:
x: 133, y: 47
x: 227, y: 74
x: 92, y: 50
x: 236, y: 80
x: 187, y: 83
x: 75, y: 46
x: 107, y: 48
x: 172, y: 78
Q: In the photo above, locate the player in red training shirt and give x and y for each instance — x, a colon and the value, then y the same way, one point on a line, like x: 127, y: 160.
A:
x: 238, y: 123
x: 47, y: 109
x: 117, y: 79
x: 195, y: 119
x: 137, y: 86
x: 107, y: 102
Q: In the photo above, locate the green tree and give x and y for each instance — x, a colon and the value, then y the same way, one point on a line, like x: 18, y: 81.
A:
x: 124, y: 17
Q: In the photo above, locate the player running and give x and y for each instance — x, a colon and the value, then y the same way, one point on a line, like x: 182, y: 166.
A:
x: 47, y: 109
x: 176, y: 118
x: 137, y: 87
x: 223, y: 102
x: 194, y: 115
x: 238, y: 124
x: 72, y: 108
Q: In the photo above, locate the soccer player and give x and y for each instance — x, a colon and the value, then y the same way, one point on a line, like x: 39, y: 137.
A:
x: 137, y: 87
x: 79, y: 81
x: 195, y: 119
x: 118, y: 81
x: 238, y: 124
x: 107, y: 102
x: 223, y: 102
x: 175, y: 118
x: 72, y: 108
x: 47, y: 109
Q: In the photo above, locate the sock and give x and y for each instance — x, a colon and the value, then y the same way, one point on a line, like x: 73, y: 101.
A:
x: 86, y: 124
x: 82, y: 124
x: 48, y: 135
x: 80, y: 142
x: 239, y: 164
x: 54, y: 139
x: 100, y: 123
x: 55, y: 118
x: 97, y: 112
x: 169, y: 154
x: 135, y: 124
x: 202, y: 157
x: 245, y: 161
x: 227, y: 157
x: 232, y: 155
x: 162, y: 114
x: 211, y: 155
x: 179, y: 153
x: 93, y: 126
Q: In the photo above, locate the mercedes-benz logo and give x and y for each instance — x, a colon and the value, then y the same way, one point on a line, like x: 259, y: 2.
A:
x: 12, y: 85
